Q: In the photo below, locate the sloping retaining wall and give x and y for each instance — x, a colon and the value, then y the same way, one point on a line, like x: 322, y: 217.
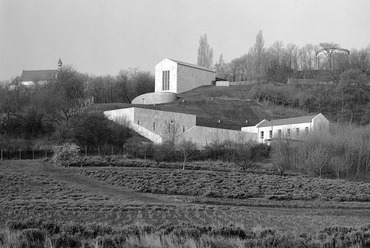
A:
x: 155, y: 98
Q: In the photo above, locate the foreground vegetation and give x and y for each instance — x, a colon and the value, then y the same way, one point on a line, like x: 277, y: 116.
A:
x: 231, y: 184
x: 342, y: 152
x: 38, y: 233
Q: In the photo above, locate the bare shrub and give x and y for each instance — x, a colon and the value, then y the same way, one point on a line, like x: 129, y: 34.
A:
x: 344, y: 150
x: 64, y: 154
x: 187, y: 149
x: 282, y: 151
x: 164, y: 152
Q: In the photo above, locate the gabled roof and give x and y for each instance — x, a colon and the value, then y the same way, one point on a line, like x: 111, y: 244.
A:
x: 287, y: 121
x: 38, y: 75
x: 192, y: 66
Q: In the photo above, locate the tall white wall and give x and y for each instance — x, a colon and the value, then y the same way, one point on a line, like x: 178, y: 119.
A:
x: 189, y: 78
x: 204, y: 136
x: 320, y: 122
x: 166, y: 65
x: 157, y: 121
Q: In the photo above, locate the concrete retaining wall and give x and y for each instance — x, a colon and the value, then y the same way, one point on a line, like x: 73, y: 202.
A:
x: 155, y: 98
x: 204, y: 136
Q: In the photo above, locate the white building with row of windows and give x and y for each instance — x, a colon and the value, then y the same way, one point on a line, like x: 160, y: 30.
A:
x: 294, y: 128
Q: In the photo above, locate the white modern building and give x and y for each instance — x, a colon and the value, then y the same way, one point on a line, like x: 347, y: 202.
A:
x: 157, y: 126
x: 294, y: 128
x: 177, y: 77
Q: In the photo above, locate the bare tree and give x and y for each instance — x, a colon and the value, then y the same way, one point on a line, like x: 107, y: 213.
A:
x: 187, y: 149
x: 205, y: 53
x: 258, y: 51
x: 221, y: 67
x: 170, y: 132
x: 292, y: 55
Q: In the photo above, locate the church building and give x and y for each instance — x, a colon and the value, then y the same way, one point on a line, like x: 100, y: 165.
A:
x: 33, y: 77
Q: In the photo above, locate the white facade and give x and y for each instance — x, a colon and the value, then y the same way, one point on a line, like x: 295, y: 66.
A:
x: 152, y: 123
x: 177, y: 77
x: 294, y: 128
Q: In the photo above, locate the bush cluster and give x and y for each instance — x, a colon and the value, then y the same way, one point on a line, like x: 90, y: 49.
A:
x: 342, y: 152
x: 242, y: 154
x: 64, y: 154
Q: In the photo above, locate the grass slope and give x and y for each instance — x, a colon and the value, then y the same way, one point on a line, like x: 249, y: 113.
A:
x: 220, y: 107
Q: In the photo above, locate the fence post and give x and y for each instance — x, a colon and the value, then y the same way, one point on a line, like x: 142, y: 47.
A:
x: 33, y: 153
x: 20, y: 154
x: 2, y: 154
x: 112, y: 150
x: 99, y: 150
x: 85, y: 151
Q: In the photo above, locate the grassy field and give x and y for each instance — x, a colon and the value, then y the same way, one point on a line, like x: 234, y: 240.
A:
x: 35, y: 189
x: 230, y: 184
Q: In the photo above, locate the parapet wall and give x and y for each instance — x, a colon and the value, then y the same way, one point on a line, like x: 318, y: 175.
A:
x: 155, y: 98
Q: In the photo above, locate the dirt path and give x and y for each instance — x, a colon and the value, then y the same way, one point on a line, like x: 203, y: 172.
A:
x: 89, y: 185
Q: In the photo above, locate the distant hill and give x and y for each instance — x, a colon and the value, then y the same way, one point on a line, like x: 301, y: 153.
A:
x: 221, y: 107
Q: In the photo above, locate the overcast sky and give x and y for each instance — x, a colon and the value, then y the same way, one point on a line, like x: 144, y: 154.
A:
x: 101, y: 37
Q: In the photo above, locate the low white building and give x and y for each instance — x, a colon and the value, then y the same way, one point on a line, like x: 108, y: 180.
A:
x: 294, y: 128
x: 177, y: 77
x: 157, y: 126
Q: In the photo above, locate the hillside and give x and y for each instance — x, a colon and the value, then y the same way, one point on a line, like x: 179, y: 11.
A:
x: 220, y: 107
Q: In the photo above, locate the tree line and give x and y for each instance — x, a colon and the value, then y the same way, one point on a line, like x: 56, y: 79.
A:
x: 56, y: 109
x: 278, y: 62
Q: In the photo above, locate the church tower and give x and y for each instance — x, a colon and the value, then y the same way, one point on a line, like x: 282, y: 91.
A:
x: 60, y: 63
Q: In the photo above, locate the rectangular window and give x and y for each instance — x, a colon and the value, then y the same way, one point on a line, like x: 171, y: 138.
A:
x: 306, y: 130
x: 288, y: 132
x: 165, y: 80
x: 297, y: 131
x: 279, y: 133
x: 183, y: 128
x: 153, y: 126
x: 138, y: 122
x: 262, y: 134
x: 270, y: 134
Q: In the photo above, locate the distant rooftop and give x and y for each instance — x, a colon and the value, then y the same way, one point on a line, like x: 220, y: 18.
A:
x: 287, y: 121
x: 191, y: 65
x: 38, y: 75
